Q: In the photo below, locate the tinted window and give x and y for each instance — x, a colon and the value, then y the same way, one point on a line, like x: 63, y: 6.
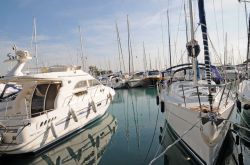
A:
x: 93, y: 82
x: 81, y: 84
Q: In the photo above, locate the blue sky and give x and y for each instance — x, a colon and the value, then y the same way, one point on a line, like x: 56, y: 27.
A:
x: 59, y: 39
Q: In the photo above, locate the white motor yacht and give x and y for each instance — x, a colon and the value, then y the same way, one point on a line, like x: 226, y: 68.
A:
x: 46, y: 107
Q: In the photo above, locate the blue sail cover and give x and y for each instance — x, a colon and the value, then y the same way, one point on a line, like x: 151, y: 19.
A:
x: 216, y: 74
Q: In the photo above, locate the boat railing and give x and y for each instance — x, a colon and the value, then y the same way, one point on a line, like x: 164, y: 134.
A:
x: 199, y: 93
x: 14, y: 117
x: 41, y: 113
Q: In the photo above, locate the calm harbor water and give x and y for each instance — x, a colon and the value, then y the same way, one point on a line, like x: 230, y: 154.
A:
x: 128, y: 134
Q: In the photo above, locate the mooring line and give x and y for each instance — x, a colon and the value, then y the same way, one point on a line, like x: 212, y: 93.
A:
x: 175, y: 142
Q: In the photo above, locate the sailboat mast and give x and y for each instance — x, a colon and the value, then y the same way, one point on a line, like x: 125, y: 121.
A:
x: 120, y: 48
x: 35, y: 41
x: 248, y: 44
x: 129, y: 53
x: 169, y: 43
x: 144, y: 58
x: 118, y: 45
x: 186, y: 26
x: 82, y: 58
x: 206, y: 50
x: 192, y: 41
x: 225, y: 51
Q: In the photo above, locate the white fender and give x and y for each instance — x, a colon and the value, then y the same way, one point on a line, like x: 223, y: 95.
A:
x: 74, y: 116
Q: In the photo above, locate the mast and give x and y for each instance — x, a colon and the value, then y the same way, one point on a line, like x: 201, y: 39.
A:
x: 129, y: 53
x: 248, y: 44
x: 34, y: 39
x: 225, y: 51
x: 186, y: 26
x: 120, y: 47
x: 150, y: 66
x: 82, y: 56
x: 169, y: 43
x: 193, y: 42
x: 206, y: 50
x: 144, y: 58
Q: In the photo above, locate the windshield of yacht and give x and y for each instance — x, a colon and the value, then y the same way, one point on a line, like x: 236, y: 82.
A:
x: 229, y: 68
x: 93, y: 82
x: 138, y: 75
x: 9, y: 91
x: 156, y: 72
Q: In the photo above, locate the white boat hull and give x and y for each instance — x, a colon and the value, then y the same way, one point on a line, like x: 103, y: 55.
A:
x: 186, y: 113
x: 181, y: 119
x: 54, y: 131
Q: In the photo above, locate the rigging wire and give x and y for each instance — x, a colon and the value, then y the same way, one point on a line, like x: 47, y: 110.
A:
x: 216, y: 26
x: 178, y: 28
x: 136, y: 122
x: 222, y: 21
x: 175, y: 142
x: 162, y: 40
x: 238, y: 30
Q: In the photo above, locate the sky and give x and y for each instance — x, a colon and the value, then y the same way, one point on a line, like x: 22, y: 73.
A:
x: 58, y: 38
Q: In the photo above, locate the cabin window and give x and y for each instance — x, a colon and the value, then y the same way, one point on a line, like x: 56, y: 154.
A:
x: 43, y: 98
x: 81, y: 84
x: 93, y: 82
x: 51, y: 96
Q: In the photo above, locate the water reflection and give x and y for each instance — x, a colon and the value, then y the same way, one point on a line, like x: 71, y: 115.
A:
x: 85, y: 147
x: 137, y: 137
x: 244, y: 145
x: 245, y: 122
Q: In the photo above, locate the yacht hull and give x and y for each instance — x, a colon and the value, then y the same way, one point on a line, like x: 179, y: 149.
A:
x: 134, y: 83
x: 59, y: 124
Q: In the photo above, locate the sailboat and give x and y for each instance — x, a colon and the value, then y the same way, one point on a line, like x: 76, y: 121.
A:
x: 197, y: 110
x: 151, y: 78
x: 43, y: 108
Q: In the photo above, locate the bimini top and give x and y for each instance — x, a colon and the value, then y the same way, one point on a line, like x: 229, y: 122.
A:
x: 188, y: 66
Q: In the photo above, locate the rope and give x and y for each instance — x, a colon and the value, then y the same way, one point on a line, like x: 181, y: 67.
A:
x: 238, y: 125
x: 175, y: 142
